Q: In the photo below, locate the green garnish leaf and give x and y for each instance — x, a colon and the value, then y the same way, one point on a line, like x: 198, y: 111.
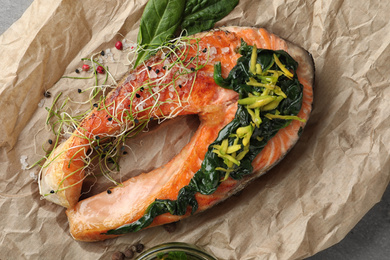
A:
x: 201, y: 15
x: 161, y: 19
x: 159, y: 22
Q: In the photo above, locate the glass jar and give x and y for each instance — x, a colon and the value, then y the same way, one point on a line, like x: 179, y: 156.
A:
x: 175, y: 251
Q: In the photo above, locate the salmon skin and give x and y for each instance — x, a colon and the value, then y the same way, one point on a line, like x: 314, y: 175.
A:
x: 192, y: 83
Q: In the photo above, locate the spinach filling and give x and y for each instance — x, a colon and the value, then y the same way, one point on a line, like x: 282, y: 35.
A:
x: 270, y: 97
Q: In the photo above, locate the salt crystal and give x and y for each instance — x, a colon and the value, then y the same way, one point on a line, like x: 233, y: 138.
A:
x: 41, y: 103
x: 180, y: 80
x: 213, y: 51
x: 111, y: 57
x: 33, y: 176
x: 153, y: 74
x: 23, y: 161
x: 225, y: 50
x: 127, y: 45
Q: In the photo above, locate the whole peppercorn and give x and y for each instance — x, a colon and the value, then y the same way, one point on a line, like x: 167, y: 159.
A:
x: 47, y: 94
x: 139, y: 248
x: 118, y: 256
x: 100, y: 70
x: 119, y: 45
x: 129, y: 253
x: 171, y: 227
x: 85, y: 67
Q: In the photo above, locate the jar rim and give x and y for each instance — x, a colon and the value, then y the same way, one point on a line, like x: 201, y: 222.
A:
x: 190, y: 249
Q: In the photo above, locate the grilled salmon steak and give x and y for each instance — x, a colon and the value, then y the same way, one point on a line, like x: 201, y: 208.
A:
x: 182, y: 79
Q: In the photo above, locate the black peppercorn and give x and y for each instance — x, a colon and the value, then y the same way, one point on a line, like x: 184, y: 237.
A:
x: 77, y: 71
x: 149, y: 68
x: 204, y: 50
x: 129, y: 253
x: 109, y: 191
x: 47, y: 94
x: 102, y: 53
x: 109, y: 119
x: 79, y: 90
x: 50, y: 141
x: 171, y: 227
x: 157, y: 71
x: 139, y: 248
x: 138, y: 95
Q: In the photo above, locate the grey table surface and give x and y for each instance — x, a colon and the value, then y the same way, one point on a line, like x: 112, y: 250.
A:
x: 369, y: 239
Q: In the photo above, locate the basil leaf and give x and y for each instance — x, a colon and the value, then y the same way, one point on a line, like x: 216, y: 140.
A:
x: 201, y: 15
x: 159, y: 21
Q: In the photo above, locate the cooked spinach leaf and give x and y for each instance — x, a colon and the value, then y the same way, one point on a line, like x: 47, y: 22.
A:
x: 201, y: 15
x: 159, y: 21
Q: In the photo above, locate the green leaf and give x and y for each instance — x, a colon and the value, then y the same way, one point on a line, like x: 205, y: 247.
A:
x: 159, y: 21
x: 201, y: 15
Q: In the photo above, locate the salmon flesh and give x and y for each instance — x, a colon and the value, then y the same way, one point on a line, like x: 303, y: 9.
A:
x: 186, y: 88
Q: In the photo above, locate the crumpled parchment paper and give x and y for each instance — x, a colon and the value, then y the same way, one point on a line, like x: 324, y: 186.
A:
x: 337, y: 171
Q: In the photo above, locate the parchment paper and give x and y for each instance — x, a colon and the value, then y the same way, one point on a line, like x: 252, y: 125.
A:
x: 338, y: 170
